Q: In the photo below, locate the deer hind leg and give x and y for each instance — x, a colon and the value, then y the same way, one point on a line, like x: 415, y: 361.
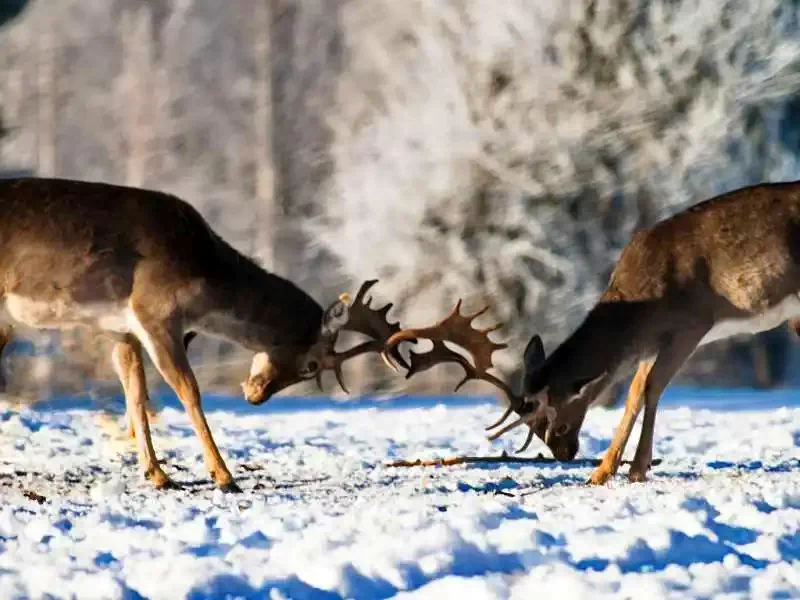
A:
x: 670, y: 359
x: 152, y: 415
x: 121, y: 360
x: 164, y: 344
x: 127, y: 358
x: 124, y: 375
x: 633, y: 405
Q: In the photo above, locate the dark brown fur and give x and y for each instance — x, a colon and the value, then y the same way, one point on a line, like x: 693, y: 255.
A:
x: 93, y: 250
x: 89, y: 242
x: 731, y: 258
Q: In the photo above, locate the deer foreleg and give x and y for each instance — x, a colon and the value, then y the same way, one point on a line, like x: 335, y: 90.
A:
x: 633, y: 405
x: 164, y: 344
x: 669, y: 361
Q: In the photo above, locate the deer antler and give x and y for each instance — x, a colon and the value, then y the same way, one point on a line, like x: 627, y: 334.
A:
x: 372, y: 322
x: 457, y: 329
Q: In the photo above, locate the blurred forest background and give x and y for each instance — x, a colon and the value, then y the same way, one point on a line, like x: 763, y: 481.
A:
x: 499, y: 151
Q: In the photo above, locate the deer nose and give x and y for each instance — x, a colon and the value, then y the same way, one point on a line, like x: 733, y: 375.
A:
x: 564, y: 452
x: 257, y: 391
x: 564, y: 447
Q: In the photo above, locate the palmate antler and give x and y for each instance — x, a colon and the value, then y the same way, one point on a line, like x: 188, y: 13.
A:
x: 363, y: 319
x: 457, y: 329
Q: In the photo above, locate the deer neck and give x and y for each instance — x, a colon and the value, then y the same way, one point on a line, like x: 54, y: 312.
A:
x: 258, y: 309
x: 610, y: 339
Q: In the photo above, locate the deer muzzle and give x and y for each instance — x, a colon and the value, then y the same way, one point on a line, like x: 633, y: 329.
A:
x: 262, y: 383
x: 258, y: 389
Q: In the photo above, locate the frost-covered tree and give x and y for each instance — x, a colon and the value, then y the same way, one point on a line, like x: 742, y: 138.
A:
x: 507, y: 151
x: 157, y: 93
x: 502, y: 152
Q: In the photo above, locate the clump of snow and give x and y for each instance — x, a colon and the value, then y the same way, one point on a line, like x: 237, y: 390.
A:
x: 321, y: 516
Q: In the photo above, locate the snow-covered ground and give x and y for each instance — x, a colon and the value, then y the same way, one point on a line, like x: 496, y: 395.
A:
x: 321, y: 517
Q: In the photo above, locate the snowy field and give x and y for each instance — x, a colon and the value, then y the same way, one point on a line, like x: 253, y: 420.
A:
x: 322, y: 517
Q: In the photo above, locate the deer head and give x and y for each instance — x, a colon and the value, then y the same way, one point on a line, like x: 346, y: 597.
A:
x: 566, y: 383
x: 274, y: 371
x: 457, y: 329
x: 565, y: 393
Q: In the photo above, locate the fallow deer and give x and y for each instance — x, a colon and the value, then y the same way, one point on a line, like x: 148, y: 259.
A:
x: 726, y: 266
x: 147, y: 269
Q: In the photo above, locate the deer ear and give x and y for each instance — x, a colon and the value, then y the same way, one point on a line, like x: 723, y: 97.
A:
x: 534, y: 353
x: 532, y: 361
x: 336, y: 315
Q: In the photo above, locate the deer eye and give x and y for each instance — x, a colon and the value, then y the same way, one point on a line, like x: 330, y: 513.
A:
x: 310, y: 368
x: 562, y: 430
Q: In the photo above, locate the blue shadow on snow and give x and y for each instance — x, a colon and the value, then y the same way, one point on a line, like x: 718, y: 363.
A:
x: 675, y: 396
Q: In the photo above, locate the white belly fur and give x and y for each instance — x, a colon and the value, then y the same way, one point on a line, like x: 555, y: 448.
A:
x: 787, y: 309
x: 60, y: 314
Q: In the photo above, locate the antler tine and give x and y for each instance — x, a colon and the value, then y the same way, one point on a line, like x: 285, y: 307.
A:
x: 334, y: 363
x: 502, y: 418
x: 520, y: 421
x: 422, y: 361
x: 527, y: 442
x: 526, y: 419
x: 457, y: 329
x: 442, y: 354
x: 372, y: 322
x: 362, y: 291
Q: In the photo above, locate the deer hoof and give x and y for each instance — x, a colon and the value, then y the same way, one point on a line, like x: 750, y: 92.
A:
x: 637, y: 475
x: 160, y: 480
x: 600, y: 476
x: 231, y: 488
x: 170, y: 485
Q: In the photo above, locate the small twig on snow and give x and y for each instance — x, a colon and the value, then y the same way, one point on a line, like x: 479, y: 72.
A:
x: 503, y: 458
